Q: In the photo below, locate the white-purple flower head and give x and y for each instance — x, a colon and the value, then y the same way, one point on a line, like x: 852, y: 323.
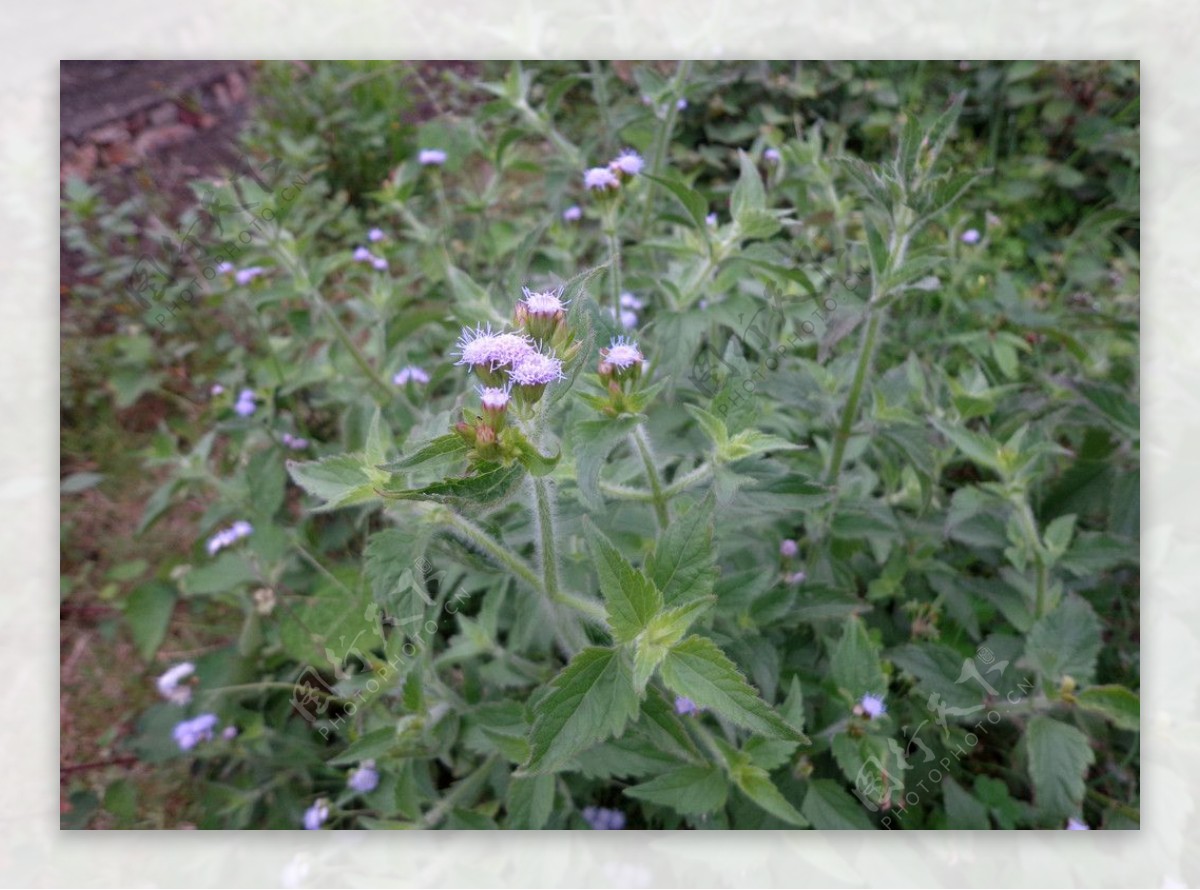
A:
x: 872, y: 706
x: 245, y: 403
x: 231, y: 535
x: 434, y: 157
x: 224, y: 268
x: 315, y: 816
x: 622, y: 353
x: 970, y: 236
x: 380, y: 264
x: 229, y: 732
x: 601, y: 179
x: 190, y: 733
x: 684, y: 705
x: 217, y: 389
x: 604, y: 819
x: 410, y: 373
x: 1074, y: 824
x: 536, y: 369
x: 681, y: 104
x: 494, y: 398
x: 481, y: 348
x: 543, y: 304
x: 772, y: 156
x: 364, y: 779
x: 574, y: 213
x: 295, y: 443
x: 376, y: 234
x: 628, y: 162
x: 629, y: 301
x: 362, y: 255
x: 168, y: 684
x: 245, y: 276
x: 711, y: 219
x: 788, y: 548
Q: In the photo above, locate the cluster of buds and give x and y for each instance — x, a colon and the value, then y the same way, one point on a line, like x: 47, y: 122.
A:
x: 620, y: 369
x: 514, y: 366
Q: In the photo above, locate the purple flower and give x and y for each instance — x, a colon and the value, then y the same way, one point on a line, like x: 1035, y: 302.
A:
x: 795, y: 578
x: 872, y: 706
x: 481, y: 348
x: 376, y: 235
x: 543, y: 304
x: 574, y: 213
x: 601, y: 178
x: 380, y: 264
x: 628, y: 162
x: 684, y: 705
x: 771, y: 156
x: 362, y: 255
x: 315, y: 816
x: 410, y: 372
x: 432, y: 157
x: 245, y: 276
x: 629, y: 301
x: 711, y: 219
x: 229, y: 732
x: 224, y: 268
x: 364, y: 779
x: 494, y: 398
x: 970, y: 236
x: 1074, y: 824
x: 681, y: 104
x: 190, y: 733
x: 536, y: 369
x: 217, y: 389
x: 788, y: 548
x: 168, y: 684
x: 225, y: 537
x: 604, y: 819
x: 622, y: 353
x: 293, y: 442
x: 245, y: 404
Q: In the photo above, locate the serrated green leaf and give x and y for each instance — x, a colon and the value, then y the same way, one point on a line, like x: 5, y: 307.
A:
x: 829, y: 807
x: 372, y: 746
x: 691, y: 201
x: 756, y: 784
x: 1059, y: 757
x: 690, y: 790
x: 683, y: 565
x: 491, y: 484
x: 594, y: 439
x: 589, y: 701
x: 1065, y: 642
x: 534, y: 461
x: 712, y: 425
x: 975, y: 447
x: 1116, y: 704
x: 148, y: 612
x: 748, y: 194
x: 338, y: 481
x: 748, y: 443
x: 530, y: 801
x: 697, y: 669
x: 854, y: 662
x: 443, y: 449
x: 394, y: 566
x: 963, y: 812
x: 630, y: 597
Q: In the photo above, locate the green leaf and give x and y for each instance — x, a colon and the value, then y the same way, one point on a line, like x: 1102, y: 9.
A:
x: 533, y: 460
x: 372, y: 746
x: 443, y: 449
x: 267, y: 481
x: 589, y: 701
x: 227, y: 571
x: 697, y: 669
x: 748, y: 194
x: 491, y: 484
x: 690, y: 790
x: 977, y: 448
x: 963, y: 812
x: 1065, y: 642
x: 712, y: 425
x: 148, y: 611
x: 632, y: 600
x: 1115, y: 704
x: 338, y: 481
x: 748, y: 443
x: 594, y: 439
x: 756, y: 784
x: 530, y: 801
x: 394, y: 566
x: 683, y: 565
x: 854, y: 662
x: 1058, y: 535
x: 691, y: 201
x: 827, y: 806
x: 1059, y: 757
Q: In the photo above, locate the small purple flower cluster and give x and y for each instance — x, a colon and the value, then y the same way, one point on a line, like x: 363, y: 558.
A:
x: 431, y: 157
x: 168, y: 684
x: 315, y: 816
x: 362, y: 255
x: 364, y: 779
x: 245, y: 403
x: 606, y: 179
x: 190, y: 733
x: 685, y: 706
x: 604, y: 819
x: 410, y: 373
x: 295, y: 443
x: 228, y: 536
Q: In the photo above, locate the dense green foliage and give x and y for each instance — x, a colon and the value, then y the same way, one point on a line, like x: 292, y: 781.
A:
x: 907, y: 342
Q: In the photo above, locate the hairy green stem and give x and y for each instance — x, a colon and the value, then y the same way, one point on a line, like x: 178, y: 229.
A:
x: 614, y: 255
x: 642, y: 442
x: 489, y: 545
x: 663, y: 139
x: 850, y: 411
x: 683, y: 483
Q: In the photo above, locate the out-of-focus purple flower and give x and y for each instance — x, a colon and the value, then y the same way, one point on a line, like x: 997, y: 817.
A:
x: 970, y: 236
x: 168, y: 684
x: 380, y: 264
x: 217, y: 389
x: 229, y: 732
x: 431, y: 157
x: 872, y: 706
x: 410, y: 373
x: 788, y: 548
x: 604, y: 819
x: 772, y: 156
x: 362, y: 255
x: 376, y: 234
x: 681, y: 104
x: 225, y: 537
x: 795, y: 578
x: 315, y: 816
x: 574, y: 213
x: 295, y: 443
x: 600, y: 179
x: 364, y: 779
x: 245, y: 404
x: 629, y: 319
x: 629, y: 301
x: 190, y: 733
x: 628, y: 162
x: 245, y: 276
x: 684, y: 705
x: 224, y: 268
x: 711, y: 219
x: 1074, y: 824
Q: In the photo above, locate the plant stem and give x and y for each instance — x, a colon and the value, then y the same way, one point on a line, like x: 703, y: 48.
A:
x: 489, y: 545
x: 683, y: 483
x: 850, y: 411
x: 614, y: 254
x: 660, y: 501
x: 664, y: 139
